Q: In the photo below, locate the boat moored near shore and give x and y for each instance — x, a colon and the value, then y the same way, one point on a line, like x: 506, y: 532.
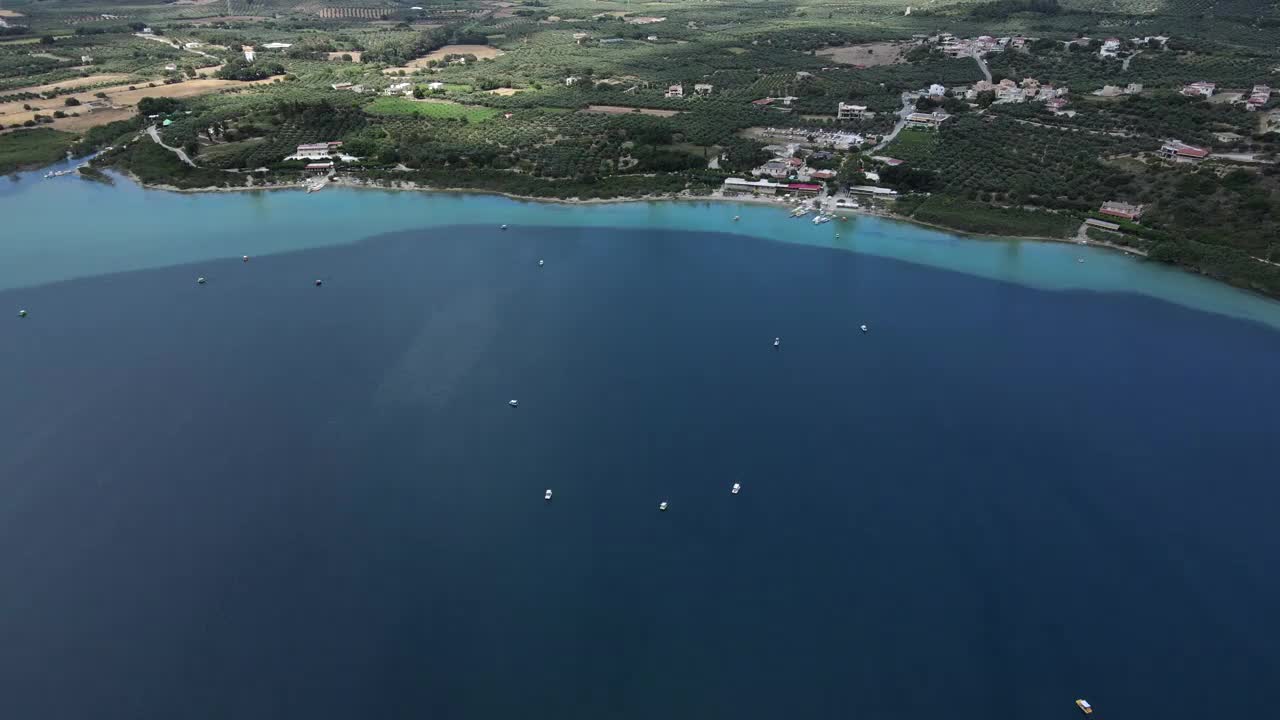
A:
x: 1084, y: 706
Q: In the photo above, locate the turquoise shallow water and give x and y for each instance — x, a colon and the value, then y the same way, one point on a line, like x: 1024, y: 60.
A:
x: 67, y: 228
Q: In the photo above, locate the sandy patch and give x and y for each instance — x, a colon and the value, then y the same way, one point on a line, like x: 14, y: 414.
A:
x: 356, y: 55
x: 121, y: 97
x: 505, y: 92
x: 10, y: 13
x: 481, y: 52
x: 621, y: 110
x: 866, y: 54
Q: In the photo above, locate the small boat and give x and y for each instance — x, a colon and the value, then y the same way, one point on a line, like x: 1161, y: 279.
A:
x: 736, y: 218
x: 513, y: 403
x: 662, y: 506
x: 199, y: 281
x: 22, y: 313
x: 547, y: 495
x: 821, y: 219
x: 1085, y: 707
x: 319, y: 282
x: 736, y: 488
x: 777, y: 342
x: 863, y: 328
x: 245, y: 258
x: 504, y: 227
x: 539, y: 263
x: 800, y: 212
x: 1079, y: 260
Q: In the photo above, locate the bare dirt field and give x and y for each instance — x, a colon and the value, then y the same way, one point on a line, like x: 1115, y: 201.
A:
x: 505, y: 92
x: 121, y: 97
x: 866, y: 54
x: 480, y: 51
x: 72, y: 83
x: 355, y: 55
x: 10, y: 13
x: 621, y: 110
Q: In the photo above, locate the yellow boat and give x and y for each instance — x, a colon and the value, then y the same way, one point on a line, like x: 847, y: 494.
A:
x: 1085, y: 707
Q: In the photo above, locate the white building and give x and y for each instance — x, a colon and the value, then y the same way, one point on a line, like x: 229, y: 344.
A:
x: 435, y: 86
x: 849, y: 111
x: 277, y: 45
x: 571, y: 80
x: 248, y: 52
x: 703, y: 88
x: 314, y: 151
x: 1110, y: 48
x: 937, y: 90
x: 675, y: 91
x: 399, y: 88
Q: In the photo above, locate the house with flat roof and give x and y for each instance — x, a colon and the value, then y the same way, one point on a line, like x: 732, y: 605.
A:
x: 703, y: 88
x: 675, y: 91
x: 927, y: 120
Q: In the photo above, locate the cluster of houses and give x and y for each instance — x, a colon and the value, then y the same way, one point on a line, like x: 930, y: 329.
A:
x: 1030, y: 89
x: 786, y: 165
x: 677, y: 91
x: 1258, y: 96
x: 955, y: 47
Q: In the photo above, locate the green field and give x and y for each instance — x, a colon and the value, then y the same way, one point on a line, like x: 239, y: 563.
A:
x: 32, y: 148
x: 394, y: 106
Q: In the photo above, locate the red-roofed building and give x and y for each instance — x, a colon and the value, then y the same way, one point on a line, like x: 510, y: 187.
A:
x: 804, y: 188
x: 1179, y: 151
x: 762, y: 102
x: 1121, y: 210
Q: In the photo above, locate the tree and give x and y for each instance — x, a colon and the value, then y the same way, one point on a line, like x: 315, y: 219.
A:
x: 46, y: 40
x: 71, y: 102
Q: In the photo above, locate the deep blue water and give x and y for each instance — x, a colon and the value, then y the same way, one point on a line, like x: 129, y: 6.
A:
x: 263, y: 499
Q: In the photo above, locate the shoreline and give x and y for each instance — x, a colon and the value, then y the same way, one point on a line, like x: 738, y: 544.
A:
x: 411, y: 186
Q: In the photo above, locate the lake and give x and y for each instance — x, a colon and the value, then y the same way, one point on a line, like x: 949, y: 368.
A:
x: 1032, y: 480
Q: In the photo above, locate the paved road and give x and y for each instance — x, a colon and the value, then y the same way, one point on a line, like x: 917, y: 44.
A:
x: 982, y: 65
x: 908, y: 107
x: 1125, y: 65
x: 182, y: 154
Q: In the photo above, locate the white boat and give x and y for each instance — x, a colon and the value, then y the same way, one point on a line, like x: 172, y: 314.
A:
x: 821, y: 219
x: 539, y: 263
x: 800, y: 212
x: 662, y: 506
x: 1084, y: 706
x: 777, y: 342
x: 736, y: 487
x: 513, y: 403
x: 199, y: 281
x: 504, y: 227
x: 735, y: 218
x: 864, y: 328
x: 547, y: 496
x: 1079, y: 260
